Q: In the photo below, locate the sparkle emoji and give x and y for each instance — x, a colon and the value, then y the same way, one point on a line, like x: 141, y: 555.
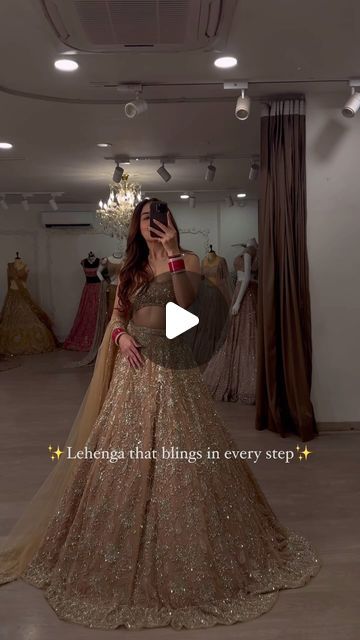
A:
x: 305, y: 453
x: 57, y: 452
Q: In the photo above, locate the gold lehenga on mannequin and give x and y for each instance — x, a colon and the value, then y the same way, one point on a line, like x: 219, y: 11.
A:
x: 24, y: 327
x: 153, y: 542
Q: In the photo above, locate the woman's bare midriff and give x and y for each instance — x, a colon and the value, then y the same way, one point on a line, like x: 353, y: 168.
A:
x: 151, y: 316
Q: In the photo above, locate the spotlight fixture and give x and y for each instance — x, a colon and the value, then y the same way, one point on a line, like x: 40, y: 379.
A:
x: 192, y: 202
x: 6, y: 145
x: 104, y: 144
x: 352, y: 106
x: 254, y: 169
x: 229, y: 201
x: 65, y: 64
x: 226, y: 62
x: 3, y: 203
x: 163, y: 173
x: 242, y: 108
x: 210, y: 172
x: 118, y: 173
x: 52, y: 203
x: 136, y: 107
x: 25, y: 203
x: 184, y: 196
x: 241, y: 195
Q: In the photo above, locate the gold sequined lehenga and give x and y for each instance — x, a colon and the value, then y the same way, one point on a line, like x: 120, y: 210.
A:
x: 154, y: 542
x: 24, y: 327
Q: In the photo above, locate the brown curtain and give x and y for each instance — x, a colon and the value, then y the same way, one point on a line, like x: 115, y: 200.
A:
x: 284, y: 355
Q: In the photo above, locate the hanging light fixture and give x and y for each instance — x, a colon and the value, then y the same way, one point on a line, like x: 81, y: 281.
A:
x: 115, y: 214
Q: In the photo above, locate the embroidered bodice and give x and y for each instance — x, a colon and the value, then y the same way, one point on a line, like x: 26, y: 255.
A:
x: 90, y: 270
x: 17, y: 273
x: 158, y: 293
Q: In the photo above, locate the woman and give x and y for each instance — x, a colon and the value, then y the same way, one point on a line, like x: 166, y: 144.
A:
x: 168, y: 535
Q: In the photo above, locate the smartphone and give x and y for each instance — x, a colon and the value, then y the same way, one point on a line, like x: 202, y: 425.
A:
x: 158, y: 211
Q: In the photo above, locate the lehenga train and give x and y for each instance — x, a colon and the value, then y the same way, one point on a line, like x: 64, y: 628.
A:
x: 186, y: 542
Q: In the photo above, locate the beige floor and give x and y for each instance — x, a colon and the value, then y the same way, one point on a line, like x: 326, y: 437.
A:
x: 318, y: 498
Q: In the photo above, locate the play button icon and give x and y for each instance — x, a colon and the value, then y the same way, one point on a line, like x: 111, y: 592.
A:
x: 178, y: 320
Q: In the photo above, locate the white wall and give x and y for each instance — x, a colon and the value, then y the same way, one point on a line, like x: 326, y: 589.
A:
x: 56, y: 278
x: 333, y: 198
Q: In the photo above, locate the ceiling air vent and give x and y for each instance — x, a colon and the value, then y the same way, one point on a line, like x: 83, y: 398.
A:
x: 110, y: 26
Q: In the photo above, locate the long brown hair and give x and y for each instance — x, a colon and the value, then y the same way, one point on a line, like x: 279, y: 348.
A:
x: 133, y: 273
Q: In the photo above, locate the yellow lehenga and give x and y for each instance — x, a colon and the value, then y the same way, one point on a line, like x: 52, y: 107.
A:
x: 24, y: 327
x: 152, y: 541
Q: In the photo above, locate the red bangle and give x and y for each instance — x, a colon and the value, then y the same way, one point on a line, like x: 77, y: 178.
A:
x: 176, y: 265
x: 116, y: 333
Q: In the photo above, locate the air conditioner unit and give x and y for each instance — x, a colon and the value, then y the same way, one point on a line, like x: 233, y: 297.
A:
x: 111, y: 26
x: 67, y: 219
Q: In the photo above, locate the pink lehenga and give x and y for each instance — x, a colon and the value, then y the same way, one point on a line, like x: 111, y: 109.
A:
x: 231, y: 372
x: 177, y: 538
x: 91, y: 313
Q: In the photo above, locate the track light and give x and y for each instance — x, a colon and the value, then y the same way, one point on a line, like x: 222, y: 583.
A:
x: 118, y: 173
x: 65, y: 64
x: 229, y: 201
x: 53, y: 203
x: 210, y: 172
x: 184, y: 196
x: 352, y: 106
x: 242, y: 108
x: 136, y: 107
x: 163, y: 173
x: 25, y: 203
x: 254, y: 170
x: 192, y: 202
x: 241, y: 195
x: 3, y: 203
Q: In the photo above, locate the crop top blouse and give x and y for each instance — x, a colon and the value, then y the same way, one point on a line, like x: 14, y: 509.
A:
x: 158, y: 293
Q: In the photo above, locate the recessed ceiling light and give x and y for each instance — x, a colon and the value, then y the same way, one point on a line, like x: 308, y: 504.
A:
x: 226, y: 62
x: 103, y: 144
x: 184, y: 196
x: 241, y: 195
x: 6, y: 145
x: 65, y: 64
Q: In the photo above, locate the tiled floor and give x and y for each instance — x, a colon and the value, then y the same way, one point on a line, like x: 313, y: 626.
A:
x: 319, y: 498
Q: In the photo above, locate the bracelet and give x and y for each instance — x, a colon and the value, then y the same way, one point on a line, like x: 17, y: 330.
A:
x: 116, y: 333
x: 176, y: 265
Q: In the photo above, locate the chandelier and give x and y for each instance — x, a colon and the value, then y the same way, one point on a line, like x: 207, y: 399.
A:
x: 115, y: 214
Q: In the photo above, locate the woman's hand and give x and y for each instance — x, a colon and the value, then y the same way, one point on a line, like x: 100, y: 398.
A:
x: 167, y: 236
x: 129, y: 348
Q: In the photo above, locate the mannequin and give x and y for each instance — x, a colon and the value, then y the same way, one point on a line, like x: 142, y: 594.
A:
x: 111, y: 265
x: 231, y: 372
x: 24, y: 327
x: 244, y: 276
x: 91, y: 313
x: 215, y: 294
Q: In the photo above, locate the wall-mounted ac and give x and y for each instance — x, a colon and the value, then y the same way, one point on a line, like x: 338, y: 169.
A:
x: 110, y: 26
x: 67, y: 219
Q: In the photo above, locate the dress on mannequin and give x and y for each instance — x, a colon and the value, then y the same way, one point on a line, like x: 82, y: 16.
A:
x: 231, y: 372
x: 112, y: 265
x: 214, y: 294
x: 24, y: 327
x: 160, y: 540
x: 91, y: 313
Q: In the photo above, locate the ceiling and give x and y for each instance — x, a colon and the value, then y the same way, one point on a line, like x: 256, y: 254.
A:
x: 55, y: 120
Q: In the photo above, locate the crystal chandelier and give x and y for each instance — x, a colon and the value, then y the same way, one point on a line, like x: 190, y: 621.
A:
x: 115, y: 214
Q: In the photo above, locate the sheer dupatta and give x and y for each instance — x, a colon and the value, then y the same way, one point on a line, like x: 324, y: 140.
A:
x: 21, y: 543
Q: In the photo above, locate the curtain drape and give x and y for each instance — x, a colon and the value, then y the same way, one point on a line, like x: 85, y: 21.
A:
x: 284, y: 355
